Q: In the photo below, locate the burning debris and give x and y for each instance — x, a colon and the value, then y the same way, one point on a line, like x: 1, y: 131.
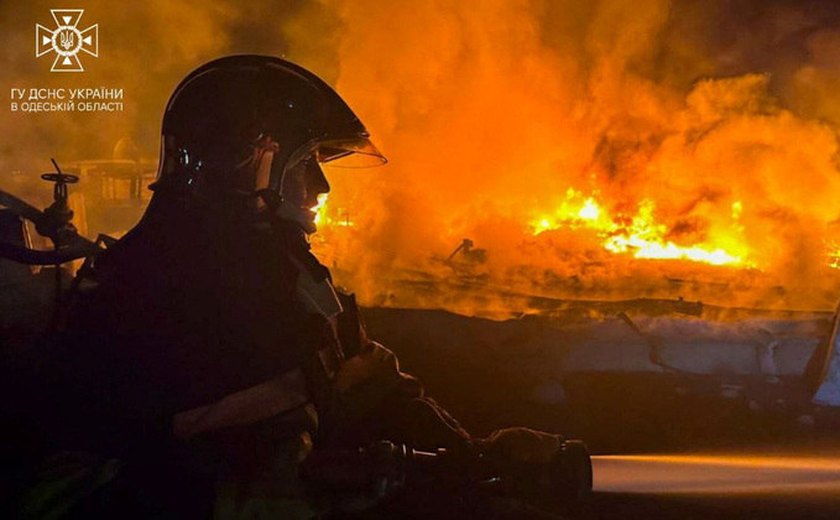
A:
x: 616, y: 166
x: 639, y: 235
x: 594, y: 151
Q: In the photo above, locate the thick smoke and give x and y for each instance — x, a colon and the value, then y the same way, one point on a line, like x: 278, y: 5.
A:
x: 489, y: 115
x: 491, y: 112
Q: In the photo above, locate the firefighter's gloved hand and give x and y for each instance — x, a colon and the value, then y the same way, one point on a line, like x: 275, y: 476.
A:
x: 521, y: 445
x: 373, y: 363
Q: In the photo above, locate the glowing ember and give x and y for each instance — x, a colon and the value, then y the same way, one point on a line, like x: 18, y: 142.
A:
x: 320, y: 208
x: 834, y: 256
x: 590, y: 210
x: 325, y: 217
x: 643, y: 237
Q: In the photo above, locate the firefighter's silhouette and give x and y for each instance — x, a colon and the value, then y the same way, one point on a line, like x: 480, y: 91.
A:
x: 214, y: 353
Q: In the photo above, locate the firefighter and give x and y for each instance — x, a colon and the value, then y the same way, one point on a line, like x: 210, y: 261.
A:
x: 214, y: 353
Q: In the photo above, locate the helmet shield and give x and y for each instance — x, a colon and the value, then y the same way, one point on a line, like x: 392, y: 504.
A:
x: 350, y: 153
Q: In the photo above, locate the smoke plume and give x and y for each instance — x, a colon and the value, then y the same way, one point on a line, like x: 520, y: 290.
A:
x: 710, y: 124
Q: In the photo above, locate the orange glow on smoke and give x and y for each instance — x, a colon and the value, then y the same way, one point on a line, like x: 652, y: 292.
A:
x: 610, y: 160
x: 701, y: 157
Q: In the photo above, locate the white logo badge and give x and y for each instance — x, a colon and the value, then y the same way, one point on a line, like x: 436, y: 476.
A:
x: 66, y: 40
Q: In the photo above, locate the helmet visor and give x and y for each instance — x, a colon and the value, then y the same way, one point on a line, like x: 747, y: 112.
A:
x: 357, y: 152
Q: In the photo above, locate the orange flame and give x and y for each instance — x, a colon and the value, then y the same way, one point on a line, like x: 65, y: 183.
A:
x: 320, y: 209
x: 643, y: 237
x: 834, y: 255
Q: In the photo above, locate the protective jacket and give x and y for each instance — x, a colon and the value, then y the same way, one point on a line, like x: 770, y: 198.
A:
x: 193, y: 355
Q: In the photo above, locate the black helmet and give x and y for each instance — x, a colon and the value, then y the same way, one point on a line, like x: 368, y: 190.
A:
x: 224, y: 109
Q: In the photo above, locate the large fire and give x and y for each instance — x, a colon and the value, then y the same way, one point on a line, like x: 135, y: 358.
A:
x: 564, y: 149
x: 640, y: 234
x: 620, y: 150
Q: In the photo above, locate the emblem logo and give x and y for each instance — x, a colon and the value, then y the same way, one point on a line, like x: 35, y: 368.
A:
x: 66, y: 40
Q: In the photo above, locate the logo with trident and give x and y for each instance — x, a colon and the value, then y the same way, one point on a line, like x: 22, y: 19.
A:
x: 66, y: 40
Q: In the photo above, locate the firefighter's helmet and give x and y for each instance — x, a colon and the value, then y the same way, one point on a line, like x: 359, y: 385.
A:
x: 226, y: 111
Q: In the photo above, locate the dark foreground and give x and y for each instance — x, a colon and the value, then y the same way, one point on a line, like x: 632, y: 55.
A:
x: 762, y: 452
x: 666, y: 445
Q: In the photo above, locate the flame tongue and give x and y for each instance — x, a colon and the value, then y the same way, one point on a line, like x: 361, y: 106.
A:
x: 320, y: 209
x: 642, y: 236
x: 326, y: 216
